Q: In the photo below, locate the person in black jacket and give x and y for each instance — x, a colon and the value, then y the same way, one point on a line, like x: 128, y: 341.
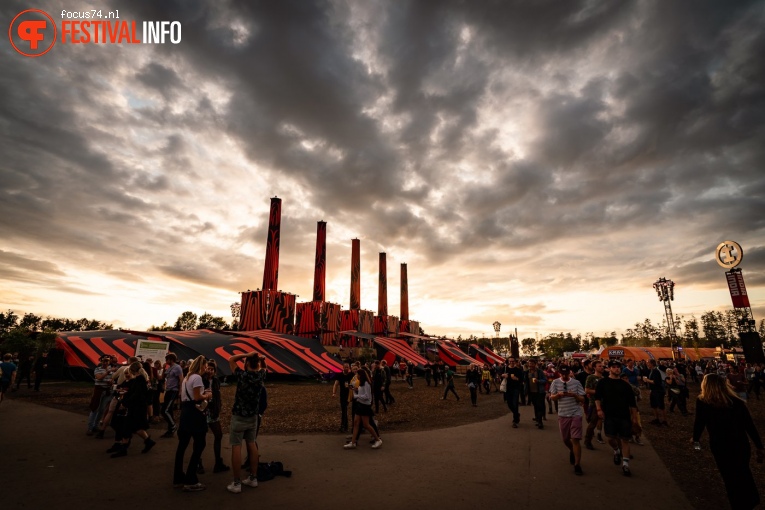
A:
x: 472, y: 381
x: 41, y: 365
x: 213, y: 416
x: 514, y: 375
x: 535, y: 381
x: 136, y: 421
x: 378, y: 385
x: 730, y: 426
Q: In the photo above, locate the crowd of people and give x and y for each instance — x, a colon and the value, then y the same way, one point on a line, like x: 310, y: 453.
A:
x: 593, y: 399
x: 128, y: 397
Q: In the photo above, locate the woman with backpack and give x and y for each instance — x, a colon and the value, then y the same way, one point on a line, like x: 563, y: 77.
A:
x: 193, y: 425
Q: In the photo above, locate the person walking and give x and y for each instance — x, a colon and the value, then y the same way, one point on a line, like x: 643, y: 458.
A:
x: 568, y: 394
x: 136, y: 421
x: 193, y: 425
x: 41, y: 365
x: 536, y: 381
x: 677, y: 391
x: 449, y: 382
x: 616, y: 406
x: 725, y: 416
x: 362, y: 395
x: 593, y: 421
x: 378, y: 385
x: 388, y: 378
x: 213, y: 416
x: 102, y: 393
x: 172, y: 376
x: 656, y: 383
x: 25, y: 372
x: 472, y: 381
x: 245, y: 419
x: 514, y: 376
x: 7, y: 374
x: 342, y: 387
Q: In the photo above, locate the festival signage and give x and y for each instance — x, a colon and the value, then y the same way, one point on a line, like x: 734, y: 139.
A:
x: 737, y: 289
x: 615, y: 353
x: 151, y: 349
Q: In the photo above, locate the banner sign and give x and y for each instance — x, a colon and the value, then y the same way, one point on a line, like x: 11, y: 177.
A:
x: 616, y: 353
x: 737, y: 289
x: 151, y: 349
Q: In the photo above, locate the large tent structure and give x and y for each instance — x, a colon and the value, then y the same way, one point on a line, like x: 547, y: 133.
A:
x: 656, y: 353
x: 484, y: 355
x: 391, y: 348
x: 286, y: 355
x: 450, y: 354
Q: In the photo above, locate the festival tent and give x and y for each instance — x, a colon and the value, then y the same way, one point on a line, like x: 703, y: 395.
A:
x: 484, y: 355
x: 391, y: 348
x: 656, y: 353
x: 286, y: 355
x: 84, y: 349
x: 293, y: 349
x: 453, y: 356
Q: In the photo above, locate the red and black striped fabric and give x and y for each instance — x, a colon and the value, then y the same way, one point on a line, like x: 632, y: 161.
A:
x: 484, y: 355
x: 269, y: 309
x: 390, y: 349
x: 84, y: 349
x: 453, y: 356
x: 307, y: 350
x: 286, y: 355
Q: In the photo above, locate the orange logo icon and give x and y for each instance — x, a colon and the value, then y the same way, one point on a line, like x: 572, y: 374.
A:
x: 31, y: 29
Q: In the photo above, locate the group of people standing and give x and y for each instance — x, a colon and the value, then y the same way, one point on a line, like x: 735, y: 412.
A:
x: 127, y: 396
x: 13, y: 371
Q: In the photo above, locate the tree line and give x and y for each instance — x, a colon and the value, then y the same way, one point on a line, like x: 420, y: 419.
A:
x: 713, y: 329
x: 33, y: 334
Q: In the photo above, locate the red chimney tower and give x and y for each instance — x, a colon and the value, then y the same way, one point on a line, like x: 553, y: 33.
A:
x: 355, y: 274
x: 404, y: 294
x: 320, y: 269
x: 382, y: 293
x: 271, y: 269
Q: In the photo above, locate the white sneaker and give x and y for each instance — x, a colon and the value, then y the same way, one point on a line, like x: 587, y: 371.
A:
x: 250, y: 481
x: 349, y: 446
x: 234, y: 487
x: 377, y: 444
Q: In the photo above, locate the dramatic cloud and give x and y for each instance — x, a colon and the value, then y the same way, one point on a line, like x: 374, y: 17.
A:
x: 536, y: 163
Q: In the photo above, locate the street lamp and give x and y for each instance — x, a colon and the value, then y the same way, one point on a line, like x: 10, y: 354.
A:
x: 665, y: 289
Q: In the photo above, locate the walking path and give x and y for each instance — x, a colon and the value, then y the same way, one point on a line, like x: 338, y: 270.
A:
x: 48, y: 462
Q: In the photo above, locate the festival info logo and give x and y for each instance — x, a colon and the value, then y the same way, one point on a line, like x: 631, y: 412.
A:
x: 729, y: 254
x: 32, y: 33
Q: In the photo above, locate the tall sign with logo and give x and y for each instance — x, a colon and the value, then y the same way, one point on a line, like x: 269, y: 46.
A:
x: 729, y: 255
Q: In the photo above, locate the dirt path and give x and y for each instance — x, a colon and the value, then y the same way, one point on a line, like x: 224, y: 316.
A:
x: 48, y: 462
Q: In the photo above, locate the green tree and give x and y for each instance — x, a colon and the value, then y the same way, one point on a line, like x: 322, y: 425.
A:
x: 207, y: 321
x: 691, y: 332
x: 529, y: 347
x: 8, y: 322
x: 186, y: 321
x: 164, y: 327
x: 715, y: 334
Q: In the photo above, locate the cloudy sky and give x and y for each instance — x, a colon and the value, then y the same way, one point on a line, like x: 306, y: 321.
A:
x: 538, y: 163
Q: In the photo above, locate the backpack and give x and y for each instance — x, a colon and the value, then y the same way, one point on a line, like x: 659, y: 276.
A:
x: 270, y: 470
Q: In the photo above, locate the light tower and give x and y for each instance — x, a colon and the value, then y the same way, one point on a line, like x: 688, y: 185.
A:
x: 496, y: 325
x: 665, y: 289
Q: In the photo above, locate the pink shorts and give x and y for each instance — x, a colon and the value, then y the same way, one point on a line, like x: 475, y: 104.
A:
x: 570, y: 427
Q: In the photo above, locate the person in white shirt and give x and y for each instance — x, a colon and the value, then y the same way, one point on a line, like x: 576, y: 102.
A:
x: 362, y: 403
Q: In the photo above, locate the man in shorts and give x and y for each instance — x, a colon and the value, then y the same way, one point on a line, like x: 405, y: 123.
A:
x: 616, y: 406
x: 569, y: 395
x: 244, y: 419
x: 655, y: 382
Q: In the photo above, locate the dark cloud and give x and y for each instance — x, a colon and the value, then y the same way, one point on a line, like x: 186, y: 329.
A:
x: 478, y: 140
